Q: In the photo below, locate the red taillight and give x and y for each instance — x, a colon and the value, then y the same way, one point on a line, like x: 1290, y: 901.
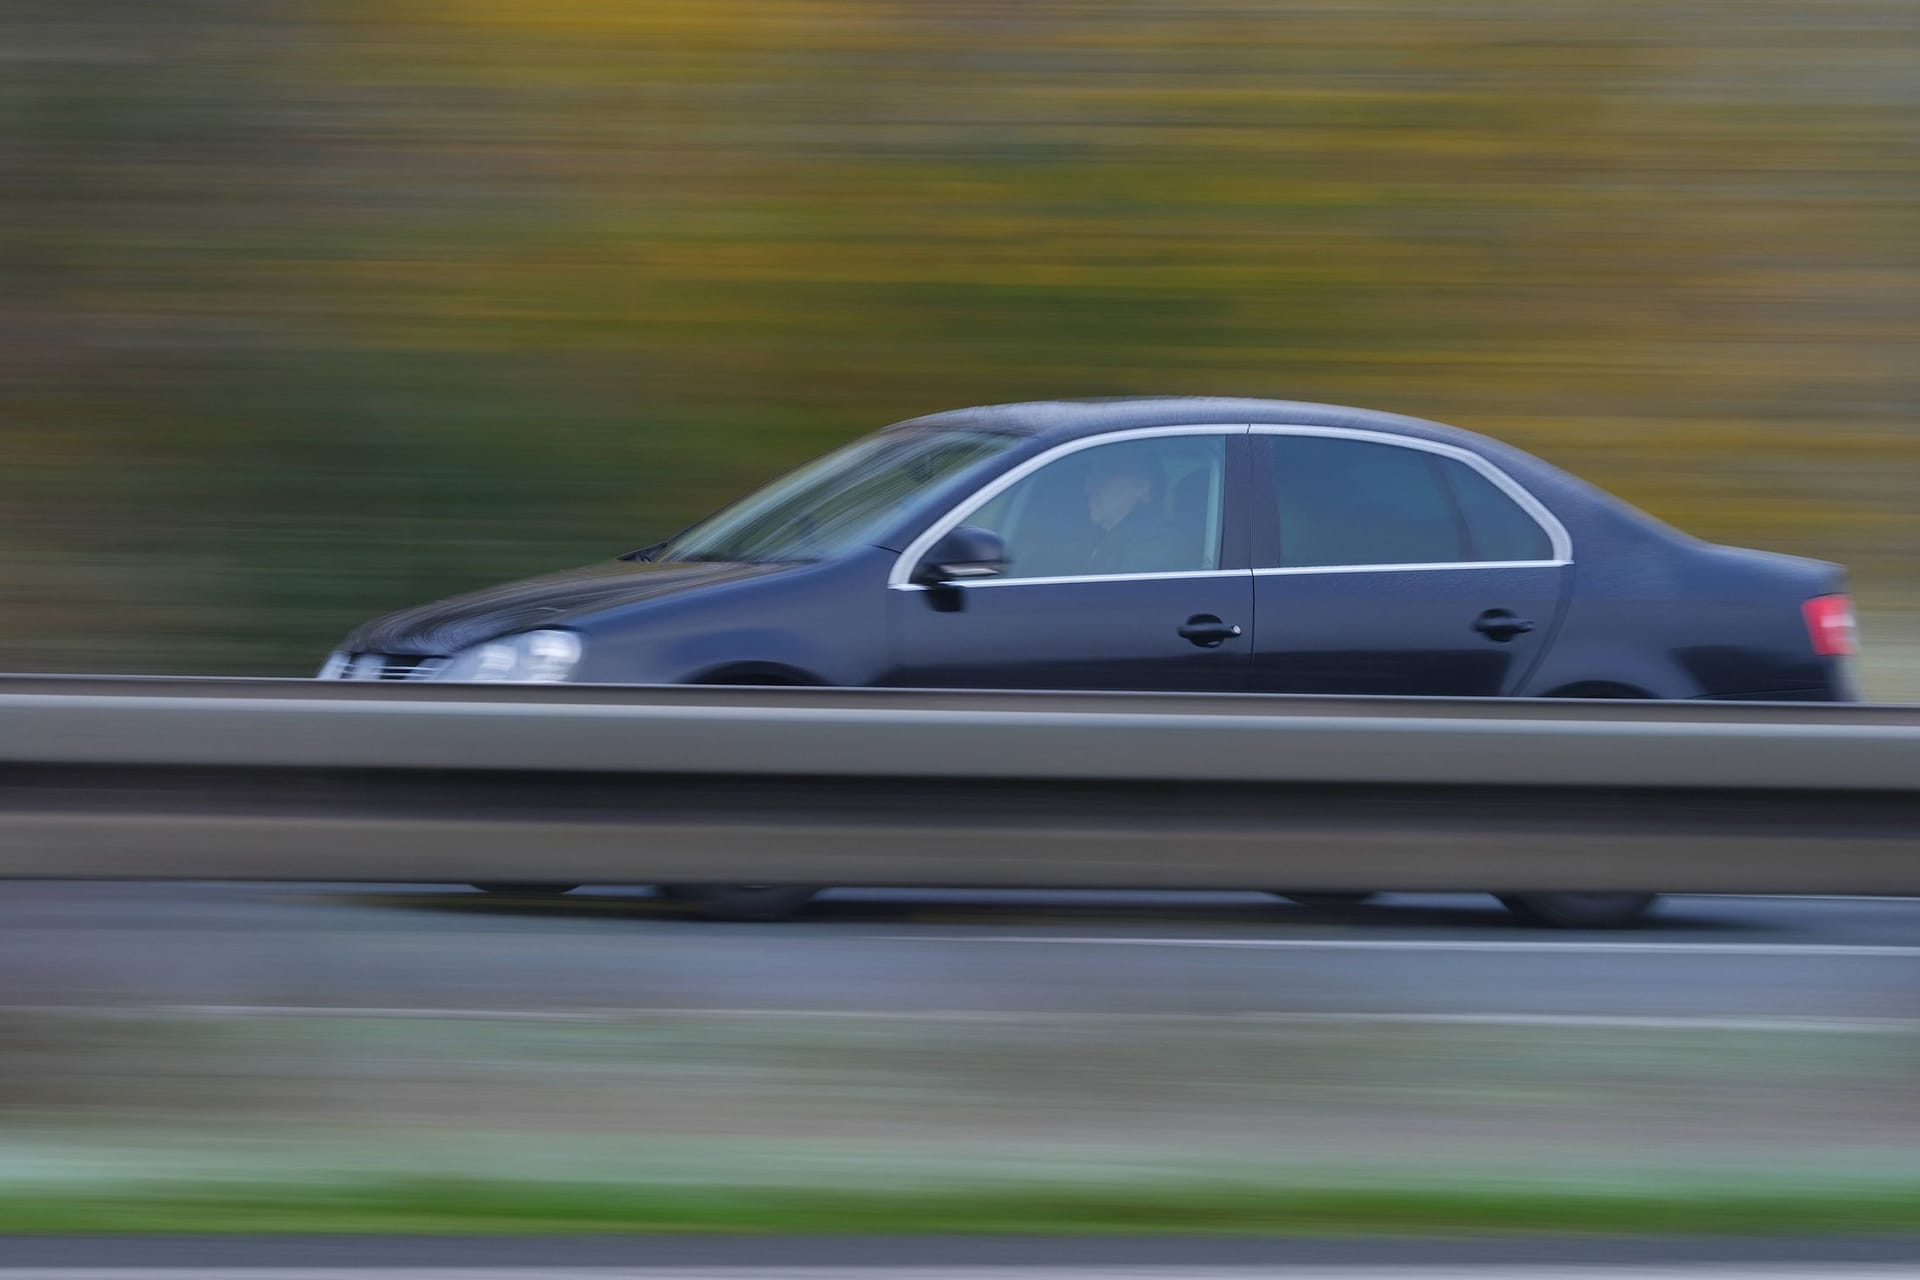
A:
x: 1830, y: 626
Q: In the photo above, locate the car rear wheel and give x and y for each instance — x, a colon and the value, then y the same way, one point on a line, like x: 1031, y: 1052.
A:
x: 526, y: 888
x: 1323, y: 899
x: 1584, y: 910
x: 1579, y: 910
x: 741, y: 901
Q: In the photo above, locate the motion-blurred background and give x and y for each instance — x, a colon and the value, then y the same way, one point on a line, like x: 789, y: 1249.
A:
x: 312, y: 309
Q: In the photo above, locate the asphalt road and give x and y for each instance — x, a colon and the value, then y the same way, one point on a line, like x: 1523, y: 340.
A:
x: 293, y: 948
x: 947, y: 1258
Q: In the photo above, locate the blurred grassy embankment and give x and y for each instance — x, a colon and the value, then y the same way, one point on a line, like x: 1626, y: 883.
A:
x: 171, y: 1121
x: 310, y: 310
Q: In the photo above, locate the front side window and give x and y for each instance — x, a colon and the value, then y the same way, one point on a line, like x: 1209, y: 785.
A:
x: 1151, y: 505
x: 838, y: 502
x: 1340, y: 501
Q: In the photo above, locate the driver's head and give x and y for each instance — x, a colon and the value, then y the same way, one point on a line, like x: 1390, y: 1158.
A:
x: 1115, y: 486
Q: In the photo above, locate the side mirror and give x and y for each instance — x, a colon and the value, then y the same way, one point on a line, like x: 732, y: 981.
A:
x: 645, y: 554
x: 964, y: 553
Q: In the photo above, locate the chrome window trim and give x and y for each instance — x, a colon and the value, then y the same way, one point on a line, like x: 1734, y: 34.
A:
x: 898, y: 578
x: 1558, y: 540
x: 1292, y: 570
x: 1069, y: 579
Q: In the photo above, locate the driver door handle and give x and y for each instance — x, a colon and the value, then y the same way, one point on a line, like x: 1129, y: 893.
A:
x: 1501, y: 624
x: 1208, y: 631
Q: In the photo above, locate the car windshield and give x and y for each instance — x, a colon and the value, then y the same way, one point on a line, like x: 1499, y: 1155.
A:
x: 837, y: 502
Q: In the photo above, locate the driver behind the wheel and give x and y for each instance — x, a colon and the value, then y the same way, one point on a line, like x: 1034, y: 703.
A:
x: 1130, y: 533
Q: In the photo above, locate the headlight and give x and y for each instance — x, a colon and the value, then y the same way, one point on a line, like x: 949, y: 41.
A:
x: 534, y: 657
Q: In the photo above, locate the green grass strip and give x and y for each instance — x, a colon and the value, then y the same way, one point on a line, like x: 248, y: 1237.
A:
x: 485, y: 1206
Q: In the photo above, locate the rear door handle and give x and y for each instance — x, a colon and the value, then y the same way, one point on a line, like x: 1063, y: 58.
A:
x: 1501, y: 624
x: 1208, y: 631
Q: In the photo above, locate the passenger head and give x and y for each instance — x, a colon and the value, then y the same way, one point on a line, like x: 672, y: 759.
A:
x: 1116, y: 484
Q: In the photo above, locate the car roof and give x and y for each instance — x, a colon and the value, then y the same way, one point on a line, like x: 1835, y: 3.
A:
x: 1055, y: 420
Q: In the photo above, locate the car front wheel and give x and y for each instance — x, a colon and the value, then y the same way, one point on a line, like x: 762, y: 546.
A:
x: 1579, y: 910
x: 741, y: 901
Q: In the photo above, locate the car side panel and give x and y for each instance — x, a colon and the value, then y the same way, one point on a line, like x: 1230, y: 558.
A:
x: 1403, y: 632
x: 824, y: 623
x: 1693, y: 621
x: 1118, y: 634
x: 1750, y: 637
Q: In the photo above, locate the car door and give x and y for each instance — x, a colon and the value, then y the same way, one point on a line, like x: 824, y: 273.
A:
x: 1155, y: 596
x: 1389, y: 565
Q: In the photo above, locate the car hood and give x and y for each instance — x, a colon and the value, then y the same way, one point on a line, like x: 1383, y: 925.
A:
x: 447, y: 626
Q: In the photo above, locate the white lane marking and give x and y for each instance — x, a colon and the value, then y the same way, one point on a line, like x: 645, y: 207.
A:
x: 1625, y: 1021
x: 1438, y: 944
x: 1768, y: 1271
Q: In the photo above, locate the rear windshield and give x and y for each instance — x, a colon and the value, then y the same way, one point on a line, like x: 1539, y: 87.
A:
x: 836, y: 503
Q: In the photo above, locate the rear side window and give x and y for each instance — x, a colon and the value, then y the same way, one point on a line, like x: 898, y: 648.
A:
x: 1340, y: 501
x: 1350, y: 502
x: 1498, y: 528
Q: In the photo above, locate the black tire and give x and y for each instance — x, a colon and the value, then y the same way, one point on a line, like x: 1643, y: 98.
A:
x: 751, y: 902
x: 1580, y: 910
x: 1324, y: 899
x: 760, y: 902
x: 525, y: 888
x: 1583, y: 910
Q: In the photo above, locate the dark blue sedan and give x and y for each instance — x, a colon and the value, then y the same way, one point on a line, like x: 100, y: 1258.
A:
x: 1163, y: 544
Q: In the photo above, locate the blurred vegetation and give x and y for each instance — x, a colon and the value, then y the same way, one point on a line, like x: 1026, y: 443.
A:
x: 1179, y: 1206
x: 311, y: 309
x: 224, y: 1118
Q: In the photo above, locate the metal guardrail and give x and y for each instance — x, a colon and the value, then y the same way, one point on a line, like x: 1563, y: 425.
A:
x: 308, y: 780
